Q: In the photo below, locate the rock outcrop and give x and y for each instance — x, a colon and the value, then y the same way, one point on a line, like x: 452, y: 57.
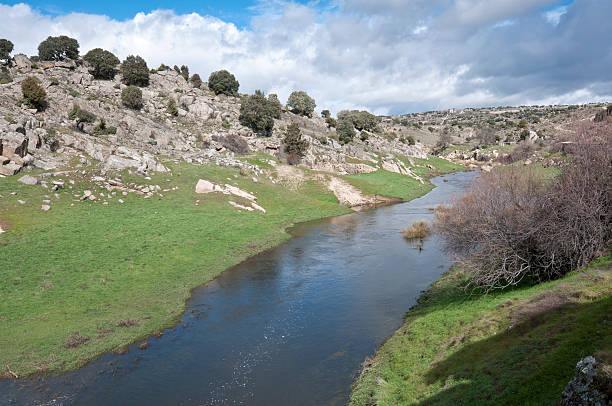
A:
x: 591, y: 386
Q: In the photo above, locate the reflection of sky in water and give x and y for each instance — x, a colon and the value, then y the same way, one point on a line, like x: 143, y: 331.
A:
x: 291, y: 326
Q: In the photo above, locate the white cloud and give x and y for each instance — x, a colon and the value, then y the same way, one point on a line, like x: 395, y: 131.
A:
x: 554, y: 16
x: 386, y: 56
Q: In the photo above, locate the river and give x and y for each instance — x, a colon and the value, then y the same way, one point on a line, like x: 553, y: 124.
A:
x: 290, y: 326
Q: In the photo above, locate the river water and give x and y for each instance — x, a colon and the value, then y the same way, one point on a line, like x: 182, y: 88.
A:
x: 290, y: 326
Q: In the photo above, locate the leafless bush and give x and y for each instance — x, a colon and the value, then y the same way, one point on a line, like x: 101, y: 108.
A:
x: 522, y: 150
x: 233, y: 142
x: 418, y: 231
x: 516, y: 223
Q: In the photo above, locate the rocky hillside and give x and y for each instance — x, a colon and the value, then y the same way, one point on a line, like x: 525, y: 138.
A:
x: 204, y: 130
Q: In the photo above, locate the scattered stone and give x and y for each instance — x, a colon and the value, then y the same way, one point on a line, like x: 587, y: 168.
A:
x: 120, y: 200
x: 21, y: 202
x: 239, y: 206
x: 28, y: 180
x: 45, y: 207
x: 144, y: 346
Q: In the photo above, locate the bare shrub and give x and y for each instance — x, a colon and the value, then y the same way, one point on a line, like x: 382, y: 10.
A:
x: 522, y: 150
x: 516, y: 223
x: 233, y: 142
x: 418, y: 231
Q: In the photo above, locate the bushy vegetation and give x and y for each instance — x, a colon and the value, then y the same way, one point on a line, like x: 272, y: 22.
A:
x: 196, y: 81
x: 362, y: 120
x: 5, y: 76
x: 33, y: 94
x: 171, y: 108
x: 295, y: 145
x: 104, y: 63
x: 184, y: 71
x: 274, y: 102
x: 301, y: 103
x: 258, y: 113
x: 58, y: 48
x: 103, y: 129
x: 81, y: 115
x: 345, y: 130
x: 223, y: 82
x: 131, y: 97
x: 135, y: 71
x: 6, y: 47
x: 518, y: 225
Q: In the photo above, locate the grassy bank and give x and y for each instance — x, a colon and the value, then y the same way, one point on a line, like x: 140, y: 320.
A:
x: 517, y: 347
x: 391, y: 184
x: 86, y: 278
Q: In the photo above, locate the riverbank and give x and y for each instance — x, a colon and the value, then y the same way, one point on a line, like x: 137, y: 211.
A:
x: 86, y: 278
x: 519, y: 346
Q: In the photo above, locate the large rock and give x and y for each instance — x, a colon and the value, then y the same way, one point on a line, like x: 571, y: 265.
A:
x: 200, y: 109
x: 28, y: 180
x: 22, y: 62
x: 119, y: 163
x: 13, y: 144
x: 9, y: 169
x: 592, y: 385
x: 204, y: 186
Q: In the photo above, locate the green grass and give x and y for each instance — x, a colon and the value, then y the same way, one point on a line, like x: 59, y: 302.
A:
x: 83, y: 267
x: 516, y: 347
x: 391, y: 184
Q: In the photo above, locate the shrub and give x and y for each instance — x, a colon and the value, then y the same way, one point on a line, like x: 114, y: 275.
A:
x: 418, y: 231
x: 196, y: 81
x: 172, y: 109
x: 410, y: 140
x: 274, y: 102
x: 81, y: 115
x: 325, y: 114
x: 5, y: 76
x: 54, y: 81
x: 104, y: 63
x: 223, y: 82
x: 6, y: 47
x: 33, y: 94
x: 486, y: 136
x: 184, y: 72
x: 135, y: 71
x: 295, y: 145
x: 331, y: 122
x: 131, y: 97
x: 103, y: 129
x: 345, y: 131
x: 233, y: 142
x: 517, y: 225
x: 362, y: 120
x: 58, y: 48
x: 257, y: 113
x: 300, y: 103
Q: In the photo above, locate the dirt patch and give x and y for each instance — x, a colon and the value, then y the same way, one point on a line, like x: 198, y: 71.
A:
x: 348, y: 194
x: 538, y: 305
x: 76, y: 340
x: 290, y: 176
x: 129, y: 323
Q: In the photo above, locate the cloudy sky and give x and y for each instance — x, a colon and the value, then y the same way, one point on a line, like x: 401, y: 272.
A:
x: 388, y: 56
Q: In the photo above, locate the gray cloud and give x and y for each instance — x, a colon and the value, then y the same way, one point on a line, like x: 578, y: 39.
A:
x: 389, y: 56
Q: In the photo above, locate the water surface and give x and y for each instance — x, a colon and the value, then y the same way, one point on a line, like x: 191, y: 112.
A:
x: 288, y: 327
